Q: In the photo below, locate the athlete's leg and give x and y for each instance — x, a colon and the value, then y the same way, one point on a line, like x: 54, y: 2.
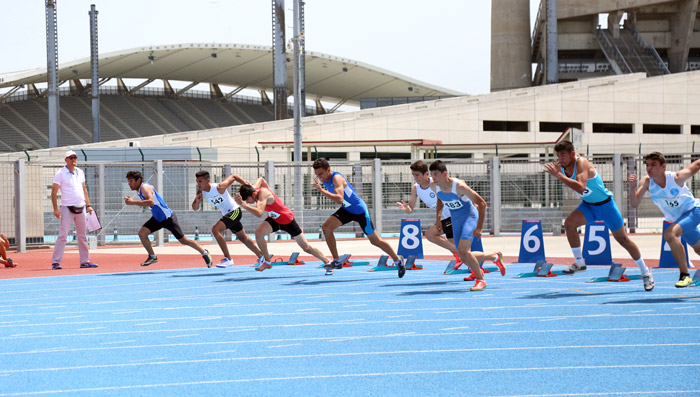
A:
x: 3, y: 245
x: 304, y: 244
x: 263, y: 230
x: 438, y: 239
x: 217, y: 231
x: 575, y: 220
x: 328, y: 229
x: 383, y: 245
x: 468, y: 257
x: 624, y: 240
x: 184, y: 240
x: 243, y: 237
x: 145, y: 241
x: 672, y: 237
x: 5, y: 241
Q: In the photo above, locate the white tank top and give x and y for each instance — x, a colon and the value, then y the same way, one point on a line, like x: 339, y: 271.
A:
x: 429, y: 197
x: 673, y: 200
x: 223, y: 202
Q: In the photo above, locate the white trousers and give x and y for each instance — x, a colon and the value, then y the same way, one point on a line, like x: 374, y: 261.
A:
x: 67, y: 219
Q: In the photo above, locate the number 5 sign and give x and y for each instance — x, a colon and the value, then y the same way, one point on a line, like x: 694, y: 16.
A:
x: 411, y: 238
x: 596, y: 245
x: 531, y: 242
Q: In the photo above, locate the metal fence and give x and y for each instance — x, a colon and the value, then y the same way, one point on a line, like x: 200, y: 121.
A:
x: 514, y: 189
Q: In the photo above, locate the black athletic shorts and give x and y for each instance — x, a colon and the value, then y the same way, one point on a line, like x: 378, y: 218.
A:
x: 292, y: 227
x: 170, y: 224
x: 447, y: 227
x: 345, y: 216
x: 232, y: 220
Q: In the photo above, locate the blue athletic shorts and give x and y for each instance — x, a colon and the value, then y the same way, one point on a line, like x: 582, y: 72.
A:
x: 689, y: 223
x: 606, y: 212
x: 463, y: 229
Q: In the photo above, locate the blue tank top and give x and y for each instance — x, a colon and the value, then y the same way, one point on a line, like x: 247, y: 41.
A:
x: 460, y: 207
x: 351, y: 201
x: 595, y: 191
x: 159, y: 210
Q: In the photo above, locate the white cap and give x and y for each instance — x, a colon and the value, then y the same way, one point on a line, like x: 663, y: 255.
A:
x: 70, y: 153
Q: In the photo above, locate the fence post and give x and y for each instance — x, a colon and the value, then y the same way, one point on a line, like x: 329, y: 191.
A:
x: 228, y: 236
x: 101, y: 211
x: 377, y: 198
x: 495, y: 204
x: 359, y: 189
x: 160, y: 239
x: 617, y: 180
x: 270, y: 178
x: 20, y: 206
x: 631, y: 212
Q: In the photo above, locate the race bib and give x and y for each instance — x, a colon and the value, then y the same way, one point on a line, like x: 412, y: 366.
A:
x: 346, y: 203
x: 671, y: 203
x: 586, y: 193
x: 273, y: 214
x: 453, y: 204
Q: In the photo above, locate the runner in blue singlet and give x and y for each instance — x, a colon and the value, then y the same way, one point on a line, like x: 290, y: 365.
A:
x: 334, y: 186
x: 597, y: 204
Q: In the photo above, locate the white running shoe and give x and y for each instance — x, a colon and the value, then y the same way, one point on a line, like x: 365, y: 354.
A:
x: 226, y: 262
x: 648, y: 281
x: 574, y: 269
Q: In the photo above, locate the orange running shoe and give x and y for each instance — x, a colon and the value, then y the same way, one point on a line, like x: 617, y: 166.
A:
x: 458, y: 261
x: 499, y: 262
x: 478, y: 286
x: 471, y: 277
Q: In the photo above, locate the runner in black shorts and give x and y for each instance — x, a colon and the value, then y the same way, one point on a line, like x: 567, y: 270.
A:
x: 219, y: 197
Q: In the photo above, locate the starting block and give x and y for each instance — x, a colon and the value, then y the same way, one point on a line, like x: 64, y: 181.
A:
x: 291, y: 261
x: 616, y: 274
x: 450, y: 269
x: 541, y: 269
x: 381, y: 265
x: 696, y: 279
x: 349, y: 263
x: 411, y: 263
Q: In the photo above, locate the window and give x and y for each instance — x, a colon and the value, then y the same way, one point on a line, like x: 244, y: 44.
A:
x: 384, y: 156
x: 661, y: 129
x: 546, y: 126
x: 613, y: 128
x: 695, y: 129
x: 328, y: 155
x: 501, y: 125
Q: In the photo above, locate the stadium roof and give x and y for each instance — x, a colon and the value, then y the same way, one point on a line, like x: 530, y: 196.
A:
x: 328, y: 77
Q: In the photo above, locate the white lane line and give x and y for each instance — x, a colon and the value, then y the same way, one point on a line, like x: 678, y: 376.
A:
x: 447, y: 312
x: 62, y: 318
x: 220, y: 352
x: 181, y: 336
x: 402, y: 315
x: 30, y: 334
x: 358, y: 305
x: 641, y: 311
x: 90, y: 329
x: 152, y: 323
x: 14, y: 322
x: 452, y: 329
x: 504, y: 324
x: 353, y: 354
x: 292, y: 344
x: 308, y: 310
x: 116, y: 343
x: 243, y: 330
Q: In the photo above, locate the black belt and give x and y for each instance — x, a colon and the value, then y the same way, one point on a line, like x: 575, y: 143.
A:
x: 601, y: 202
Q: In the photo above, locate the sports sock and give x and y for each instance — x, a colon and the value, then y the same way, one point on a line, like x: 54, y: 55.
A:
x: 578, y: 255
x: 642, y: 267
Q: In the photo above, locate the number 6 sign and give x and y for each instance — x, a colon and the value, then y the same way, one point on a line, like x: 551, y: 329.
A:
x: 411, y: 238
x: 531, y: 242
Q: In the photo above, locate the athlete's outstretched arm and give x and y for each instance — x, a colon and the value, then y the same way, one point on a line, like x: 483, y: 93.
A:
x: 637, y: 193
x: 408, y: 207
x: 685, y: 174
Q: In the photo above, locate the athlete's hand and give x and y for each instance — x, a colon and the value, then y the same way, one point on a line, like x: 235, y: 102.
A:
x: 238, y: 199
x: 129, y: 201
x: 403, y: 206
x: 477, y: 233
x: 316, y: 184
x: 552, y: 169
x: 632, y: 180
x: 57, y: 213
x: 438, y: 227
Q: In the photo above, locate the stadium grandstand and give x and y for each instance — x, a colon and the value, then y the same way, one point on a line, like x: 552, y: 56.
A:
x: 132, y: 112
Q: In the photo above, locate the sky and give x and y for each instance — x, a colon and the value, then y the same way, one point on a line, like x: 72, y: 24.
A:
x: 441, y: 42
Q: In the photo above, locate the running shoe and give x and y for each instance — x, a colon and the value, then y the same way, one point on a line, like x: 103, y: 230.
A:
x: 87, y: 265
x: 648, y: 281
x: 260, y: 261
x: 10, y: 263
x: 478, y: 286
x: 329, y: 271
x: 56, y: 266
x: 574, y: 269
x: 471, y: 277
x: 226, y: 262
x: 400, y: 266
x: 207, y: 258
x: 150, y: 260
x: 458, y: 261
x: 684, y: 281
x: 264, y: 266
x: 334, y: 264
x: 499, y: 262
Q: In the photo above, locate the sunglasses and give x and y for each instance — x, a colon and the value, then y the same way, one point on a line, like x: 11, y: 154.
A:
x: 73, y: 157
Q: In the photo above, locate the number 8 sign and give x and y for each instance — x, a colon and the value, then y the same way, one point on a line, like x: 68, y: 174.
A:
x: 411, y: 238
